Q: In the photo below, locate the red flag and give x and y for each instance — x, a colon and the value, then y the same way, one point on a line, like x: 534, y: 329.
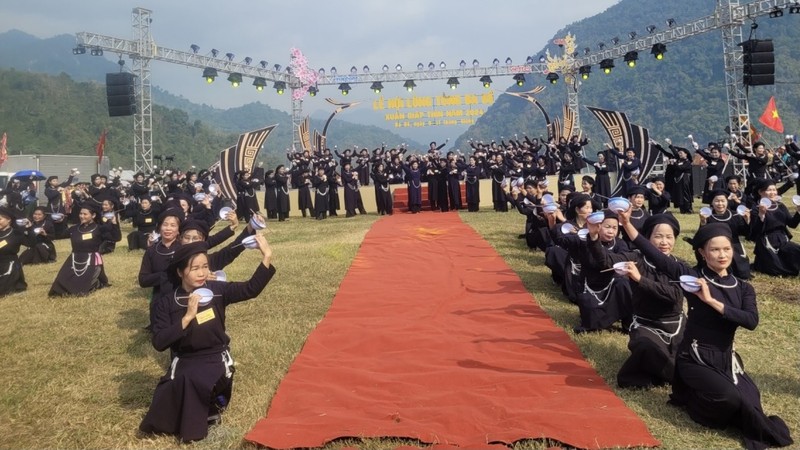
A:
x: 3, y: 149
x: 770, y: 118
x: 754, y: 134
x: 101, y: 145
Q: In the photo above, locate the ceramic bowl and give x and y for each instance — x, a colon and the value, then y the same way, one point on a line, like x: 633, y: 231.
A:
x: 705, y: 211
x: 223, y: 212
x: 582, y: 233
x: 548, y: 198
x: 596, y: 217
x: 56, y: 217
x: 796, y: 200
x: 37, y: 230
x: 21, y: 222
x: 689, y: 283
x: 550, y: 208
x: 713, y: 178
x: 741, y: 209
x: 206, y: 295
x: 618, y: 204
x: 154, y: 236
x: 765, y: 202
x: 250, y: 242
x: 221, y: 275
x: 621, y: 268
x: 199, y: 197
x: 567, y: 228
x: 257, y: 222
x: 108, y: 215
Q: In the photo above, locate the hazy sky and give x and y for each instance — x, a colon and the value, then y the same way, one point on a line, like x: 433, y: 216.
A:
x: 343, y: 33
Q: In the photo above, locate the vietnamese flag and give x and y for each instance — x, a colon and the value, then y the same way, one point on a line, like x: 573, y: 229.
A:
x: 101, y: 145
x: 770, y: 118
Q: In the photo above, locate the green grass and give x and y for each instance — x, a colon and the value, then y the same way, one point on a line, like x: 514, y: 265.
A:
x: 80, y: 372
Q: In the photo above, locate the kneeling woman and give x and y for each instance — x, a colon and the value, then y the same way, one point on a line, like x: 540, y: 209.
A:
x: 12, y: 279
x: 42, y: 229
x: 83, y: 271
x: 710, y: 381
x: 199, y: 381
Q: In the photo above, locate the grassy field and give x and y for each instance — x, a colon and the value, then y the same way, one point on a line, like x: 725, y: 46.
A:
x: 80, y: 372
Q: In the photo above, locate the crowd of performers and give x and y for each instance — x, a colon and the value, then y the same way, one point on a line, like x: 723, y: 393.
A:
x: 612, y: 257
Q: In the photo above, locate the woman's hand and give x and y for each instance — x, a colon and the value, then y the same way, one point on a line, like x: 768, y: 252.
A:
x: 633, y: 271
x: 191, y: 310
x: 233, y: 220
x: 266, y: 250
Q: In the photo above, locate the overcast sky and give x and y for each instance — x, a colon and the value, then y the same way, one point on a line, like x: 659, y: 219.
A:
x: 340, y: 33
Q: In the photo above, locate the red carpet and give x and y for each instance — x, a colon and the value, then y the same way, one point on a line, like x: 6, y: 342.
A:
x: 431, y: 336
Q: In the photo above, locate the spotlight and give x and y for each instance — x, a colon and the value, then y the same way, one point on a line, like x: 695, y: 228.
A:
x: 658, y: 50
x: 260, y: 83
x: 508, y: 61
x: 195, y: 48
x: 312, y: 91
x: 795, y: 9
x: 442, y: 65
x: 353, y: 70
x: 601, y: 45
x: 584, y: 71
x: 345, y: 88
x: 409, y: 85
x: 452, y: 82
x: 235, y: 79
x: 248, y: 60
x: 775, y: 13
x: 209, y: 73
x: 398, y: 67
x: 632, y: 35
x: 277, y: 67
x: 229, y: 56
x: 587, y: 50
x: 495, y: 62
x: 670, y: 23
x: 520, y: 79
x: 431, y: 65
x: 420, y: 66
x: 529, y: 60
x: 651, y: 29
x: 214, y: 52
x: 279, y: 87
x: 462, y: 64
x: 630, y: 58
x: 333, y: 70
x: 486, y: 80
x: 552, y: 77
x: 607, y: 64
x: 263, y: 64
x: 79, y: 50
x: 96, y: 51
x: 385, y: 68
x: 321, y: 72
x: 365, y: 69
x: 376, y: 87
x: 615, y: 40
x: 542, y: 58
x: 475, y: 63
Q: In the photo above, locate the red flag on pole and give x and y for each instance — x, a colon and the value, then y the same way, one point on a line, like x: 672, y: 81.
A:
x: 3, y: 149
x: 101, y: 144
x: 770, y: 118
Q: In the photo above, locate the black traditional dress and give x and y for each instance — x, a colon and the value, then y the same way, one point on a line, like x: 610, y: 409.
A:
x: 383, y: 194
x: 740, y: 266
x: 144, y: 222
x: 199, y: 381
x: 282, y: 192
x: 604, y: 297
x: 12, y: 278
x: 43, y: 250
x: 710, y: 381
x: 775, y: 253
x: 304, y: 203
x: 82, y: 271
x: 270, y: 197
x: 473, y: 191
x: 413, y: 178
x: 602, y: 182
x: 322, y: 196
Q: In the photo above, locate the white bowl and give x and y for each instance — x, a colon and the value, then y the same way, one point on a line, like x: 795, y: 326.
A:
x: 206, y: 295
x: 37, y: 230
x: 250, y: 242
x: 223, y: 213
x: 619, y: 204
x: 582, y: 233
x: 57, y: 217
x: 21, y: 222
x: 705, y: 211
x: 741, y: 209
x: 548, y: 198
x: 126, y: 202
x: 689, y: 283
x: 220, y: 275
x: 794, y: 176
x: 713, y: 178
x: 154, y: 198
x: 257, y: 222
x: 596, y: 217
x: 212, y: 189
x: 621, y: 268
x: 108, y: 215
x: 765, y: 202
x: 796, y: 200
x: 199, y: 197
x: 567, y: 228
x: 649, y: 185
x: 154, y: 236
x: 635, y: 172
x: 550, y: 208
x: 518, y: 182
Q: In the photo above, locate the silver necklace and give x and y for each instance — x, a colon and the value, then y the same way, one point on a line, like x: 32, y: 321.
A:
x: 735, y: 281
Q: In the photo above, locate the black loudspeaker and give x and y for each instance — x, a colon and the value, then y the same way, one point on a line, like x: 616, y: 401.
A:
x: 759, y: 62
x: 120, y: 94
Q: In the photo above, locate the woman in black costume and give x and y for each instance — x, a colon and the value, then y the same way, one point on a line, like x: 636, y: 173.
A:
x: 775, y: 253
x: 42, y: 251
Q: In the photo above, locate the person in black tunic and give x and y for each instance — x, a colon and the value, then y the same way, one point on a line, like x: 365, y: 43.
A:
x: 352, y: 191
x: 442, y: 198
x: 144, y: 222
x: 682, y: 183
x: 757, y: 162
x: 602, y: 182
x: 304, y: 203
x: 658, y: 321
x: 413, y: 178
x: 658, y: 199
x: 42, y: 249
x: 270, y: 195
x: 83, y: 271
x: 714, y: 168
x: 740, y: 226
x: 199, y: 382
x: 383, y: 194
x: 321, y: 193
x: 247, y: 204
x: 630, y: 167
x: 498, y: 172
x: 454, y: 172
x: 710, y: 381
x: 472, y: 178
x: 12, y: 237
x: 282, y: 192
x: 775, y: 253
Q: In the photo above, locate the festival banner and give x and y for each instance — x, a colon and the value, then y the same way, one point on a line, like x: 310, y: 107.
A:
x: 240, y: 157
x: 3, y: 149
x: 425, y: 111
x: 101, y: 145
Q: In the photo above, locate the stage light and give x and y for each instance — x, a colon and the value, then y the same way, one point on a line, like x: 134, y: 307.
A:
x: 587, y: 50
x: 452, y: 82
x: 529, y: 60
x: 601, y: 45
x: 260, y: 83
x: 279, y: 87
x: 552, y: 77
x: 420, y: 66
x: 214, y: 52
x: 495, y: 62
x: 312, y: 91
x: 475, y: 63
x: 385, y: 68
x: 651, y: 29
x: 670, y: 23
x: 229, y: 56
x: 486, y: 80
x: 235, y: 79
x: 584, y: 72
x: 96, y: 51
x: 79, y: 50
x: 542, y: 58
x: 462, y: 64
x: 431, y: 65
x: 247, y: 60
x: 508, y: 61
x: 442, y: 65
x: 333, y: 70
x: 398, y: 67
x: 277, y: 68
x: 615, y: 40
x: 365, y: 69
x: 607, y: 64
x: 632, y: 35
x: 630, y: 58
x: 263, y: 64
x: 658, y: 50
x: 321, y: 72
x: 345, y: 88
x: 353, y: 70
x: 195, y: 48
x: 409, y: 85
x: 209, y: 73
x: 775, y: 13
x: 376, y: 87
x: 520, y: 79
